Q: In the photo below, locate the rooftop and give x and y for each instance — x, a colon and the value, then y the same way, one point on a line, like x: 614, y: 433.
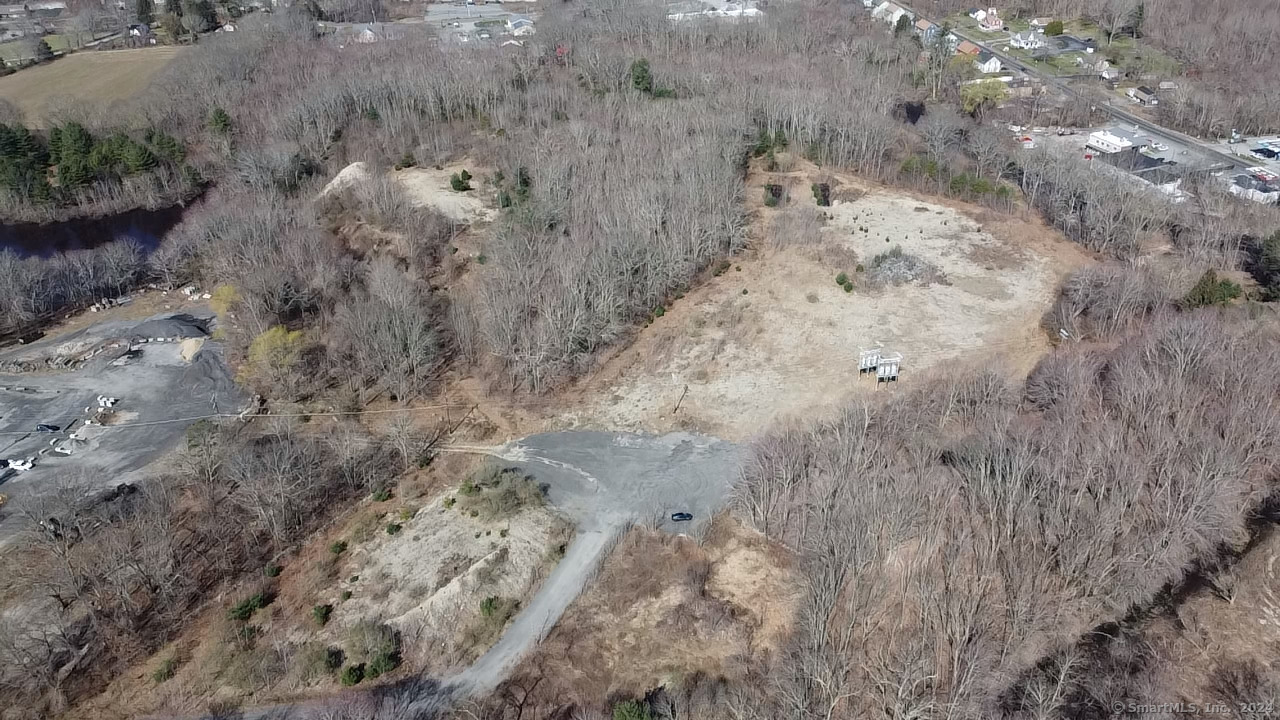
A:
x: 1131, y: 160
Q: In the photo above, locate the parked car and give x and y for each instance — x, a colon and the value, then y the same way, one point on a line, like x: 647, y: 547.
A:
x: 681, y: 517
x: 46, y: 427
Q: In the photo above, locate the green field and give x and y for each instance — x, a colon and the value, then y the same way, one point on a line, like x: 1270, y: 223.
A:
x: 88, y: 76
x: 19, y: 49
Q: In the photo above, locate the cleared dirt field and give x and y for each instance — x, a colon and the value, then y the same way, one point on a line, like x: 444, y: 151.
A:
x: 88, y: 77
x: 774, y: 335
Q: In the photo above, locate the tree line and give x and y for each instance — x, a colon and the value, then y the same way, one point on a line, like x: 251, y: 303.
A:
x: 69, y: 169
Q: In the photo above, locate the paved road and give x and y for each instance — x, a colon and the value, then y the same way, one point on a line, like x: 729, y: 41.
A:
x: 1114, y: 111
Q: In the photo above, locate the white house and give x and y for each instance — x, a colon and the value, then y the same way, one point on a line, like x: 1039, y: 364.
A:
x: 977, y: 14
x: 1028, y: 41
x: 991, y: 22
x: 1104, y: 142
x: 988, y: 63
x: 1144, y: 95
x: 888, y: 12
x: 520, y: 25
x: 869, y: 4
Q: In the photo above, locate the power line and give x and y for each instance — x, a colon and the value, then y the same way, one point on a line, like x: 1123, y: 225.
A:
x: 329, y: 413
x: 843, y: 365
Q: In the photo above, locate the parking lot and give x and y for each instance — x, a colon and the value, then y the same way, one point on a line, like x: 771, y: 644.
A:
x: 125, y: 395
x: 1263, y: 152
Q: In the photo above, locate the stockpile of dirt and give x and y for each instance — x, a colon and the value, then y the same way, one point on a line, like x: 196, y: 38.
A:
x: 190, y: 347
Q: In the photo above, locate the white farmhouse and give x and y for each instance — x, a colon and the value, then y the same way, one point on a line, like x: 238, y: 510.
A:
x: 1028, y: 40
x: 988, y: 63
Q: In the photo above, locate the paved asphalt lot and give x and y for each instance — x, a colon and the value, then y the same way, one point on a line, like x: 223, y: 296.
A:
x: 159, y: 395
x: 605, y: 481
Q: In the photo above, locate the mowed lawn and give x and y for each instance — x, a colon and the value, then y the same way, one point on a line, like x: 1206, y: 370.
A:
x: 87, y: 76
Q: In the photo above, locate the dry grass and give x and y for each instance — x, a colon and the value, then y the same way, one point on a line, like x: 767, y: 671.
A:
x: 773, y: 335
x: 88, y: 77
x: 666, y: 606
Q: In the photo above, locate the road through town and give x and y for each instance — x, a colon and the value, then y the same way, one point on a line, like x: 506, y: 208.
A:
x: 1119, y: 113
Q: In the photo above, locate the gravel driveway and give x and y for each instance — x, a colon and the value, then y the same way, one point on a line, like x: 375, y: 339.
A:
x: 605, y: 482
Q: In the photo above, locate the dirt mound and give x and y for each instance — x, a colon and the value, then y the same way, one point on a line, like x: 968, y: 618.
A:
x: 181, y: 326
x: 190, y: 347
x: 355, y: 174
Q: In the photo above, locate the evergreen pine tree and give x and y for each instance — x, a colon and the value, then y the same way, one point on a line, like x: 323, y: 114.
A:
x: 43, y: 52
x: 641, y: 77
x: 220, y: 121
x: 74, y: 172
x: 137, y: 159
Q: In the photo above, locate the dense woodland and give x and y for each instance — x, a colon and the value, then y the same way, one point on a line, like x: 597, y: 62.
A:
x: 618, y: 144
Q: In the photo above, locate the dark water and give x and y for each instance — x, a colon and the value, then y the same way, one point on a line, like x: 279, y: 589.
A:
x: 45, y: 239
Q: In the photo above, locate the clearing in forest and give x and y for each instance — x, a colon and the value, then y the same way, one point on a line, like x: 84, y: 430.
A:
x: 774, y: 335
x: 92, y: 76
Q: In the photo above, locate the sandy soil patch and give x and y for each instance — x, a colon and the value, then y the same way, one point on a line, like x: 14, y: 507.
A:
x: 775, y: 336
x: 189, y: 348
x: 429, y: 579
x: 430, y: 188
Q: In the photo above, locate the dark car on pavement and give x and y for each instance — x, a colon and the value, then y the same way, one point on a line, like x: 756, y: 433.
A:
x: 681, y: 517
x: 46, y: 427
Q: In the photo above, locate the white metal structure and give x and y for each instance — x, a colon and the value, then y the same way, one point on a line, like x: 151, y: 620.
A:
x: 869, y: 359
x: 887, y: 370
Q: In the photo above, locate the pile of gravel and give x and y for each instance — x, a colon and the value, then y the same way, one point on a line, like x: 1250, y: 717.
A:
x: 173, y: 327
x: 897, y: 267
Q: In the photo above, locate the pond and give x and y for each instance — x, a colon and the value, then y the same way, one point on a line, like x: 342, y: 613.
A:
x: 45, y: 239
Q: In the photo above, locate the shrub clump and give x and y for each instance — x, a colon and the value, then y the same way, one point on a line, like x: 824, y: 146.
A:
x: 168, y: 668
x: 245, y: 609
x: 1210, y: 290
x: 822, y: 194
x: 495, y: 492
x: 460, y: 181
x: 353, y: 675
x: 321, y: 613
